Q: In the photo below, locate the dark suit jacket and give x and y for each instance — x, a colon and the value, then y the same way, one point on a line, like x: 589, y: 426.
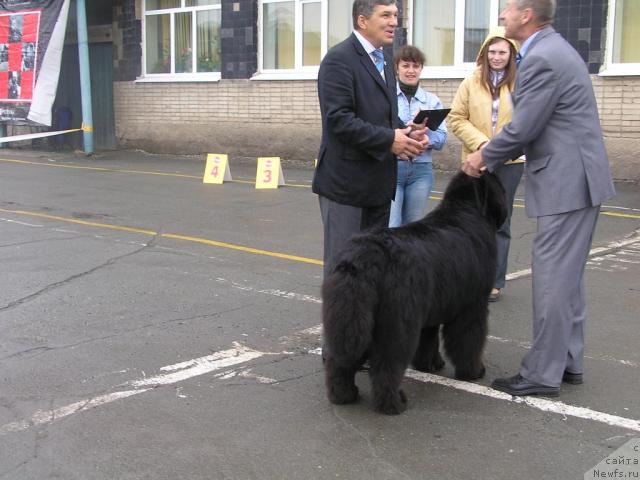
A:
x: 555, y: 122
x: 359, y: 113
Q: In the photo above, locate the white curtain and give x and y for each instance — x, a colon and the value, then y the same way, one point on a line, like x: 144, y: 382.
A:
x: 434, y: 30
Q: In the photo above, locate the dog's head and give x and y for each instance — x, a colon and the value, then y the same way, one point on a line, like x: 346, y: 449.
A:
x: 485, y: 193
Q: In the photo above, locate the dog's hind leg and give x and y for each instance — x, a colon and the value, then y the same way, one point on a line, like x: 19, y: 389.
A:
x: 340, y: 382
x: 395, y: 340
x: 427, y: 357
x: 464, y: 340
x: 347, y: 320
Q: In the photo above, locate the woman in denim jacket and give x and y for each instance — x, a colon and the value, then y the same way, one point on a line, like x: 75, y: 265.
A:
x: 415, y: 177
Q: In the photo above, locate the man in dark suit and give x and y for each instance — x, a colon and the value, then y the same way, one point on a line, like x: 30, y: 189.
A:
x: 361, y: 134
x: 555, y: 122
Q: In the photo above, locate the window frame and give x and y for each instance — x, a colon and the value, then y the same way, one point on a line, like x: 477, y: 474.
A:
x: 610, y: 68
x: 173, y: 76
x: 460, y: 68
x: 299, y: 72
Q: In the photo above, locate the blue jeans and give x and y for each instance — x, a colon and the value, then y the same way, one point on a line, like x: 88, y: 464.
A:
x: 510, y: 176
x: 412, y: 192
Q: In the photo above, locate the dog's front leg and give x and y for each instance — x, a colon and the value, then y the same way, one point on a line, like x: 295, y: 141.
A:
x: 427, y: 357
x: 388, y: 397
x: 340, y: 381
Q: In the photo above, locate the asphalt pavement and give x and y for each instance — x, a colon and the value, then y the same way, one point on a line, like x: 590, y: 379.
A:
x: 155, y: 327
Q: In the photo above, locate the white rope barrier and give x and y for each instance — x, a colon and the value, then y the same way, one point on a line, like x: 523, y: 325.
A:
x: 31, y: 136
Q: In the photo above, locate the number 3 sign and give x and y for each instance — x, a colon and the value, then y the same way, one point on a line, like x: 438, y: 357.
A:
x: 269, y: 174
x: 217, y: 169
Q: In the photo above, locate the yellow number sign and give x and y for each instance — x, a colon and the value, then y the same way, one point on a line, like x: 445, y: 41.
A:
x: 217, y: 169
x: 269, y: 174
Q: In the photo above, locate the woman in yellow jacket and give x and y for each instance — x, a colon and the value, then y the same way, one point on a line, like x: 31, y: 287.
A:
x: 481, y: 107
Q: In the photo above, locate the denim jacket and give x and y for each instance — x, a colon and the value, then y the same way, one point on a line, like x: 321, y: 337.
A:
x: 423, y: 100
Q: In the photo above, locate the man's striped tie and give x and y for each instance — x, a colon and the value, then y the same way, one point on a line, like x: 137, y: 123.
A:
x: 379, y: 59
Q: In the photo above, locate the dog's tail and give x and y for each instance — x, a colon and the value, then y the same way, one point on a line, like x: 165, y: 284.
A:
x: 350, y: 300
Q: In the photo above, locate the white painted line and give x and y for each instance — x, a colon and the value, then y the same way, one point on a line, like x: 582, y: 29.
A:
x: 236, y: 351
x: 297, y: 337
x: 291, y: 295
x: 273, y: 292
x: 537, y: 403
x: 519, y: 274
x: 181, y: 371
x: 40, y: 417
x: 21, y: 223
x: 543, y: 404
x: 624, y: 209
x: 316, y: 330
x: 241, y: 354
x: 521, y: 200
x: 522, y: 344
x: 258, y: 378
x: 199, y: 366
x: 527, y: 345
x: 613, y: 246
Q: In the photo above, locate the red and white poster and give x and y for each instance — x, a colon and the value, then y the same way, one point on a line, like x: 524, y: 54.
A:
x: 31, y: 42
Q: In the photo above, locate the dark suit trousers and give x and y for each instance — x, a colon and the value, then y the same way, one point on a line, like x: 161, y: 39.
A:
x: 341, y: 222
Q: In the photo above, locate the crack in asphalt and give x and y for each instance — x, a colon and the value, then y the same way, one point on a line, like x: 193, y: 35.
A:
x: 397, y: 473
x: 53, y: 286
x: 9, y: 473
x: 36, y: 351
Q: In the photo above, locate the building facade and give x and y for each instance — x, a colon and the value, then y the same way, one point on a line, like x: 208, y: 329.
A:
x: 239, y: 76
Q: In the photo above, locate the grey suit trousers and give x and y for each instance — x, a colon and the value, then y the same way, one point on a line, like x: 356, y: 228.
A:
x: 560, y: 251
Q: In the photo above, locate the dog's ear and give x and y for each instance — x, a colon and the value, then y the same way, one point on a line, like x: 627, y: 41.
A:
x: 461, y: 187
x: 485, y: 193
x: 495, y: 198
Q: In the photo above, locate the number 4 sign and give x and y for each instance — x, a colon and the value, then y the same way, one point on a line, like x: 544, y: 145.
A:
x: 269, y: 174
x: 217, y: 169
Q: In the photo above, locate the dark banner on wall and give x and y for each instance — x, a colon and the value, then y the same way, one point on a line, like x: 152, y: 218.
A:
x: 31, y: 41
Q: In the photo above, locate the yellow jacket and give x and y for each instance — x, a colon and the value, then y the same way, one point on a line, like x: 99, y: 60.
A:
x: 470, y: 116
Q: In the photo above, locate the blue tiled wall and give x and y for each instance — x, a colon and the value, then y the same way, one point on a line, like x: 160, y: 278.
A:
x: 239, y: 38
x: 129, y: 63
x: 583, y: 23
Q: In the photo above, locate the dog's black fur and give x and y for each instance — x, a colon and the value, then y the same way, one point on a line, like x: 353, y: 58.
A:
x: 391, y: 289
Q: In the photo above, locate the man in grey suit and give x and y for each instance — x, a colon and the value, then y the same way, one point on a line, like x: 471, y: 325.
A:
x: 555, y: 123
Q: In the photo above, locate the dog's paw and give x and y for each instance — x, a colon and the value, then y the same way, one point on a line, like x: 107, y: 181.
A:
x: 392, y: 404
x: 341, y: 395
x: 428, y: 365
x: 470, y: 374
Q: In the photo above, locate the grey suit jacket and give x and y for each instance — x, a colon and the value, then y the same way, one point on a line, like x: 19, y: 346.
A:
x: 555, y: 123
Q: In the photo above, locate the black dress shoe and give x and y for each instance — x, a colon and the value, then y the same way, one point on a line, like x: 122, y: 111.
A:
x: 518, y: 385
x: 572, y: 378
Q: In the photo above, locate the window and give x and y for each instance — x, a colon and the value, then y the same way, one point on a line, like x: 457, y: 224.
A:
x: 182, y: 39
x: 340, y: 21
x: 296, y: 34
x: 450, y: 32
x: 623, y: 56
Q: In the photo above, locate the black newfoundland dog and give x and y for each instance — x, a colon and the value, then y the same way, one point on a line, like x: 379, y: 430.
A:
x: 392, y: 289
